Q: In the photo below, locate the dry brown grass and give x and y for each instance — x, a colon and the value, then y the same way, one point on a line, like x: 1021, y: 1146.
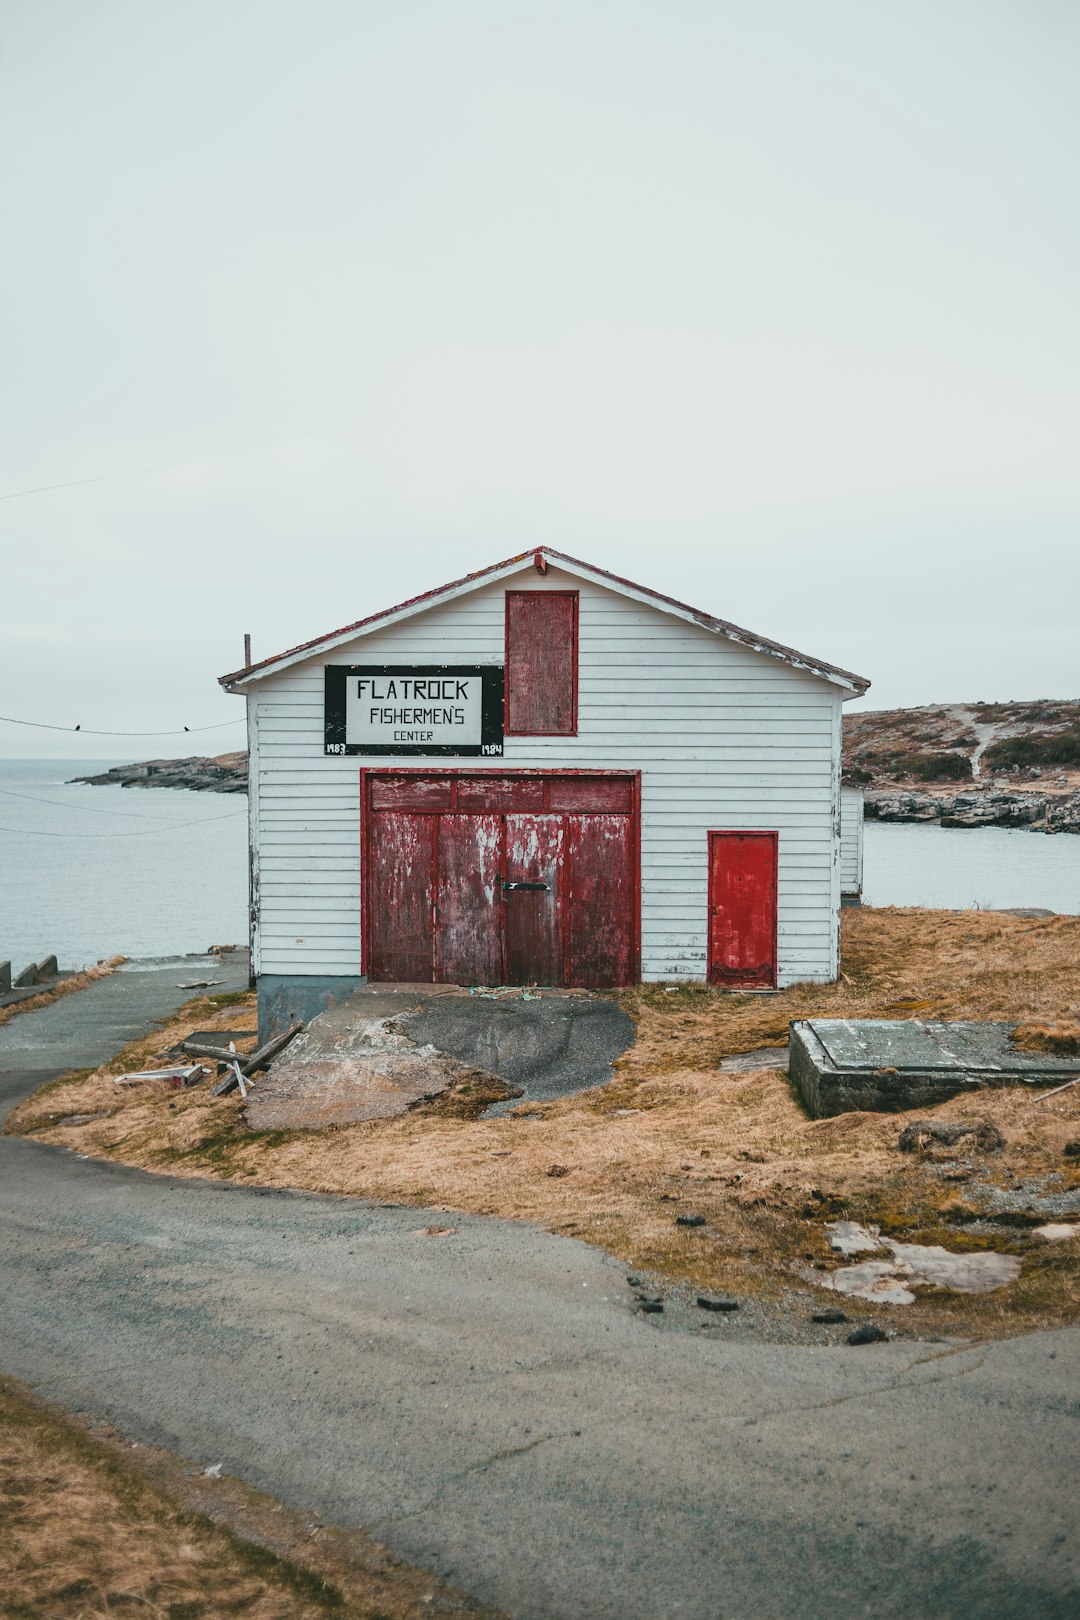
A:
x: 672, y: 1134
x: 1061, y: 1038
x: 53, y: 992
x: 92, y: 1528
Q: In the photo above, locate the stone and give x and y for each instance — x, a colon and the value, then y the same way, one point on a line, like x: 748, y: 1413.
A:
x: 869, y: 1333
x: 890, y: 1282
x: 46, y: 970
x: 921, y: 1133
x: 848, y: 1237
x: 689, y: 1220
x: 1056, y: 1231
x: 875, y: 1280
x: 651, y: 1307
x: 722, y: 1304
x: 1071, y: 1150
x: 833, y: 1314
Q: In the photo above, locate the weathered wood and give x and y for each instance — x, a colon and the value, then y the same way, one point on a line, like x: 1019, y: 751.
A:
x: 541, y: 663
x: 277, y: 1043
x: 201, y: 1049
x: 726, y: 738
x: 182, y: 1075
x: 243, y: 1068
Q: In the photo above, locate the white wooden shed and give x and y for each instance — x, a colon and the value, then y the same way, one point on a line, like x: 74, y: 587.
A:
x: 851, y: 845
x: 541, y: 773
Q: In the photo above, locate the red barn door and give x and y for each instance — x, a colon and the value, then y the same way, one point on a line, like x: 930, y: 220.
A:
x: 478, y: 878
x: 742, y: 908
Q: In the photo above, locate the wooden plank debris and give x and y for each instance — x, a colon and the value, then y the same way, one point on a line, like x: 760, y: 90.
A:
x: 242, y: 1069
x: 184, y: 1075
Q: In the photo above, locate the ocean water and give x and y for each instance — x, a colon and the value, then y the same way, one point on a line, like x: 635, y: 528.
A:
x: 905, y: 864
x: 89, y: 872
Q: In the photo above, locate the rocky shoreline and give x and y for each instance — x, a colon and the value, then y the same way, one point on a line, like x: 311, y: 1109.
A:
x: 1037, y: 812
x: 228, y: 773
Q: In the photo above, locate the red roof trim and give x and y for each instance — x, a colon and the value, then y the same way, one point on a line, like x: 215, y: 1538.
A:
x: 733, y: 631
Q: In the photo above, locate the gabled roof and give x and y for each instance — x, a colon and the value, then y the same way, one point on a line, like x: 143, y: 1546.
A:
x: 242, y: 678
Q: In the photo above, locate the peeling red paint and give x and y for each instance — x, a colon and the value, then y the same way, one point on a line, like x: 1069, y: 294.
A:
x: 742, y: 908
x: 512, y: 879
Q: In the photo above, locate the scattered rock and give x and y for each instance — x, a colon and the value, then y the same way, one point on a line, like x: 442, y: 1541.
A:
x: 848, y: 1237
x: 833, y: 1314
x: 689, y: 1220
x: 889, y: 1282
x: 922, y: 1134
x: 869, y: 1333
x: 876, y: 1280
x: 651, y: 1307
x: 557, y: 1170
x: 1056, y: 1232
x: 721, y: 1304
x: 635, y: 1282
x: 1071, y: 1150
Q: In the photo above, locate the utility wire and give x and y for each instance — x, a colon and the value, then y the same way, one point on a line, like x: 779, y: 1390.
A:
x: 142, y: 832
x: 104, y: 478
x: 87, y: 731
x: 61, y: 804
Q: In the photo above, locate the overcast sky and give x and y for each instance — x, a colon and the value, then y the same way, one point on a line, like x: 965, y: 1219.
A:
x: 768, y: 304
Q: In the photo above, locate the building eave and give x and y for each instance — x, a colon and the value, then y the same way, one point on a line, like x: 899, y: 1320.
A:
x: 240, y: 679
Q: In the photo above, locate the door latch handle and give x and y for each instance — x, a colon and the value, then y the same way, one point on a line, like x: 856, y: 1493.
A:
x: 542, y: 886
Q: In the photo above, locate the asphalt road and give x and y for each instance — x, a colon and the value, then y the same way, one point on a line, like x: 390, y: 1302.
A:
x: 488, y: 1404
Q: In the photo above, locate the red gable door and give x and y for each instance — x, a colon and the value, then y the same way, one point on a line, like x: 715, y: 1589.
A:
x: 742, y: 908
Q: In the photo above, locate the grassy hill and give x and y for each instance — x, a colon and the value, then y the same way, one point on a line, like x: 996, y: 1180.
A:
x: 1018, y: 745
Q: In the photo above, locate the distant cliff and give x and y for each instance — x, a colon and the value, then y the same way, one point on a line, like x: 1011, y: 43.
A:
x: 227, y: 773
x: 969, y: 764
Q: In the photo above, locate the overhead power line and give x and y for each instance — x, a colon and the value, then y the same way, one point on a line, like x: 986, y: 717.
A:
x: 102, y: 478
x: 89, y: 731
x: 133, y: 832
x: 74, y: 804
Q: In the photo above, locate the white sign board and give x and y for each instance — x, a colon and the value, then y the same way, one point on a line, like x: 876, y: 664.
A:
x: 401, y: 709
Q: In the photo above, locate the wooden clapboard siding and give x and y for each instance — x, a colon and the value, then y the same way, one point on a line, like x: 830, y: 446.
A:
x: 725, y: 738
x: 851, y: 841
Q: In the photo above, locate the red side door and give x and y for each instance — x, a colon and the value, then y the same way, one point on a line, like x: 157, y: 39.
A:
x: 742, y: 909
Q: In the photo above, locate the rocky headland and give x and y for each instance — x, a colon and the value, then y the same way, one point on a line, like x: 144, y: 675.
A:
x: 969, y: 765
x: 227, y: 773
x: 960, y: 765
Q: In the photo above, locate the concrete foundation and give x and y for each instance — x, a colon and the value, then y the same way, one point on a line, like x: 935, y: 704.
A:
x: 887, y: 1066
x: 285, y: 998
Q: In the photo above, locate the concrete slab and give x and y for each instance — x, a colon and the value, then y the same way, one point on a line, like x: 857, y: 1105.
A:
x: 346, y: 1068
x: 890, y: 1065
x: 551, y: 1045
x: 388, y: 1047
